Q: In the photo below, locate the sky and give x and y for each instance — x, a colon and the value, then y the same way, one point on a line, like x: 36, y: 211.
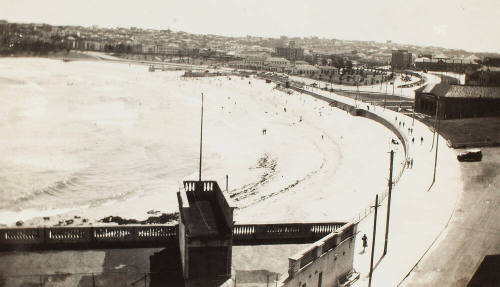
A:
x: 461, y: 24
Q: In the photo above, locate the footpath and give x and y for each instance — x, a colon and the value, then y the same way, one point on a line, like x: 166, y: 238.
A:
x: 420, y: 208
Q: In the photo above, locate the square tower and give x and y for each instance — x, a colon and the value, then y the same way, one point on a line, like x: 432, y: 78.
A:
x: 205, y: 231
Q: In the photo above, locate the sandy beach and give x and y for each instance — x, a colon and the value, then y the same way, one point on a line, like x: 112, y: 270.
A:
x: 93, y: 139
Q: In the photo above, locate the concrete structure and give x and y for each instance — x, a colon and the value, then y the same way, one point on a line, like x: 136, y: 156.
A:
x: 205, y: 231
x: 401, y: 59
x: 326, y: 263
x: 455, y: 101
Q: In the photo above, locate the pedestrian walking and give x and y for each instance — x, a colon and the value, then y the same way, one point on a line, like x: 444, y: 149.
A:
x: 365, y: 242
x: 421, y: 140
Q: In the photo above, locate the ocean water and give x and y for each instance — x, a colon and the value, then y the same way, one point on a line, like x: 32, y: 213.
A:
x: 81, y: 134
x: 95, y: 139
x: 90, y: 135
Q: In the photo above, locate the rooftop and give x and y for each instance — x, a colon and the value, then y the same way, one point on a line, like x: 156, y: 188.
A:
x: 459, y: 91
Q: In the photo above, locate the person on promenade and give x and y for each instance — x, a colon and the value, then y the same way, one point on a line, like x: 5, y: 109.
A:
x: 365, y: 242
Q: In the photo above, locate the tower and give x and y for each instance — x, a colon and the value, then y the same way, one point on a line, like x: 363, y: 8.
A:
x: 205, y: 231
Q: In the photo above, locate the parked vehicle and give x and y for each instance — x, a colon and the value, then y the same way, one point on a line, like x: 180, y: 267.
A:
x: 470, y: 155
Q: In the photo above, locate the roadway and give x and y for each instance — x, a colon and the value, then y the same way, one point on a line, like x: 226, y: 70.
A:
x: 473, y: 231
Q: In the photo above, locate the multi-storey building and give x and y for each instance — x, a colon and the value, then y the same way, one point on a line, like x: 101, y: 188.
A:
x: 291, y: 52
x: 401, y: 59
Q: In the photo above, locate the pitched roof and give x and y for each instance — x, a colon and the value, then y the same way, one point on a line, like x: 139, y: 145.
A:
x: 458, y: 91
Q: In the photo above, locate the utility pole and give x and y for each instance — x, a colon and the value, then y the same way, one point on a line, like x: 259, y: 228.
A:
x: 227, y: 183
x: 413, y: 115
x: 435, y: 121
x: 373, y: 241
x: 393, y: 84
x: 357, y: 94
x: 388, y: 203
x: 436, y: 155
x: 385, y: 97
x: 201, y: 135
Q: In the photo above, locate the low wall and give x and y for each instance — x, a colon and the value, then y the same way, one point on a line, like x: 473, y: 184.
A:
x: 372, y: 116
x: 324, y: 263
x: 359, y: 112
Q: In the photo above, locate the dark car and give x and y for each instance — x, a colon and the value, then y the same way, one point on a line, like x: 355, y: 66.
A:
x: 470, y: 155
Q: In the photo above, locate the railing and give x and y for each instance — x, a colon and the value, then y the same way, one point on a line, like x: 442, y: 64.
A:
x: 207, y: 185
x: 154, y: 235
x: 254, y: 234
x: 77, y: 237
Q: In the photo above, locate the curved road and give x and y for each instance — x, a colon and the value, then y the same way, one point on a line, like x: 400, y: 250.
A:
x: 473, y: 231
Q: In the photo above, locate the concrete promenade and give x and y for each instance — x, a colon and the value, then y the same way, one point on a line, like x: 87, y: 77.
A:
x: 419, y: 212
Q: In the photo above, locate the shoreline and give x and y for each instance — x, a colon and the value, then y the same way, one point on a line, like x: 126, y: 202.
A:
x: 58, y: 218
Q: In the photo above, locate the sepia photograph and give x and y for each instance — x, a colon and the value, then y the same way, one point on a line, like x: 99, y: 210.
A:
x: 249, y: 143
